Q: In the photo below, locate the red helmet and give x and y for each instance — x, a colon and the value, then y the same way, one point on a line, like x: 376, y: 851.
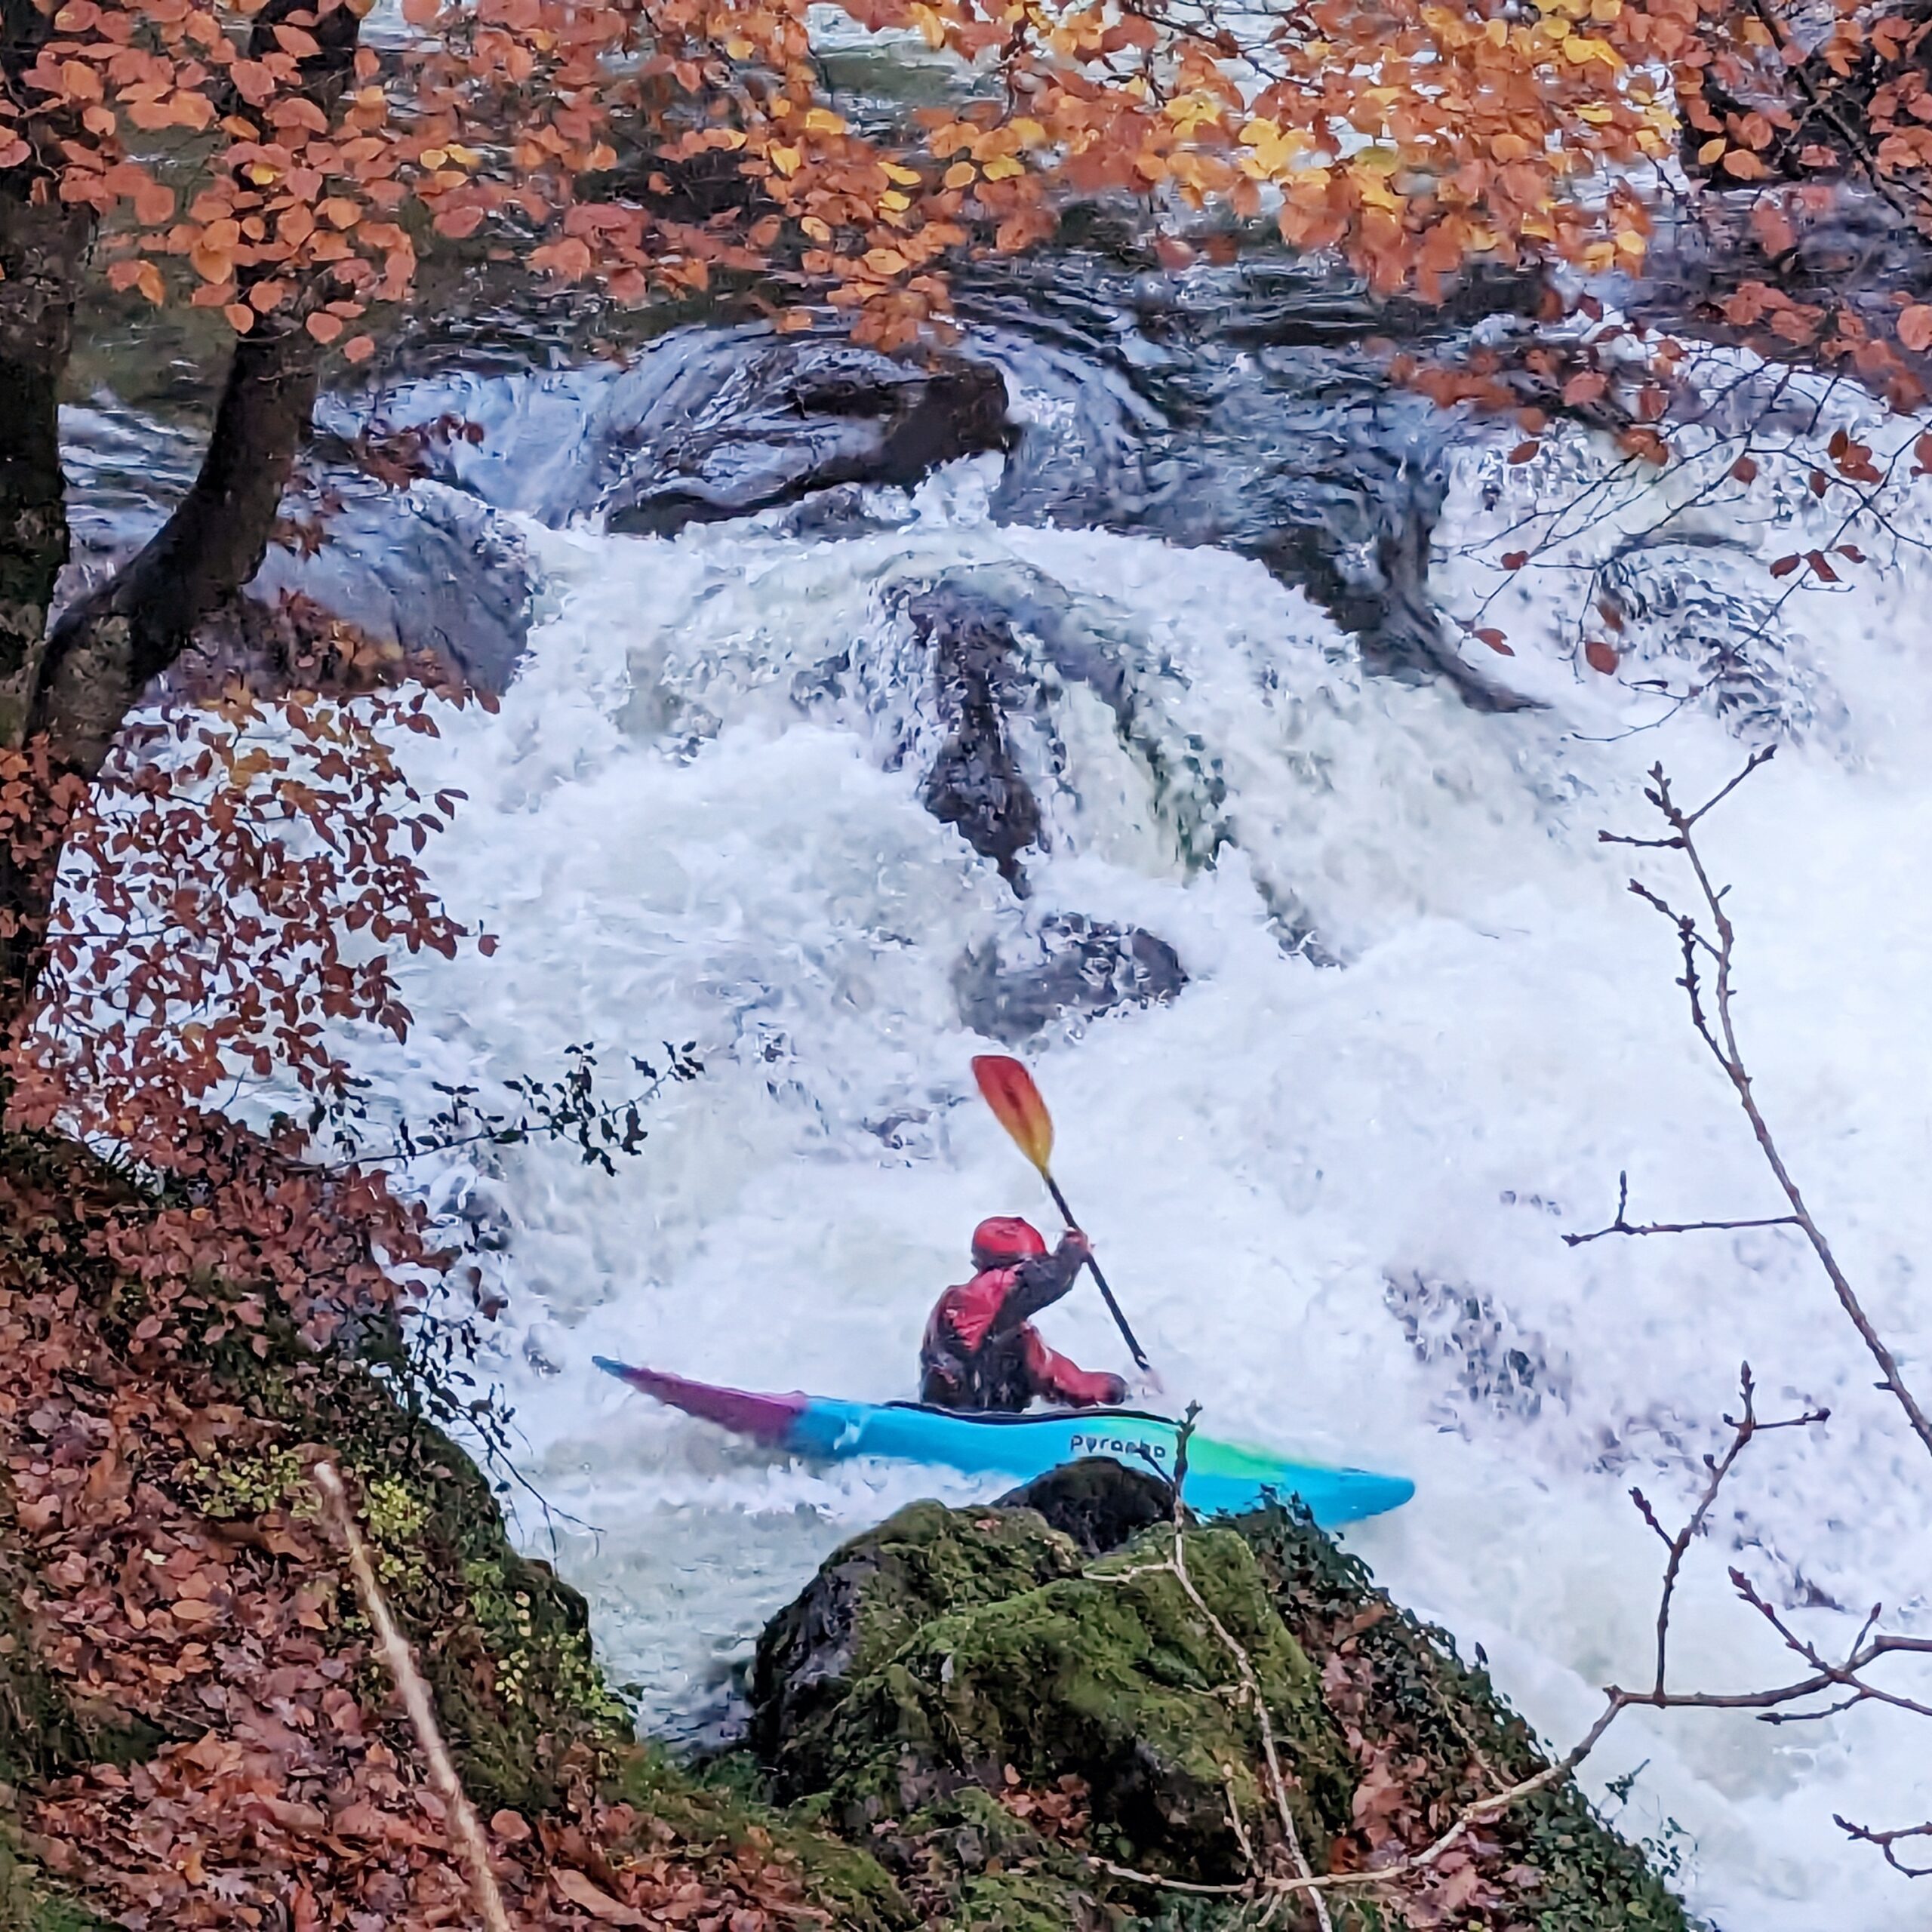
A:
x: 1004, y: 1239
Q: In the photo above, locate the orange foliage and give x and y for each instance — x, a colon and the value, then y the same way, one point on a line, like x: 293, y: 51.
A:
x: 1412, y: 135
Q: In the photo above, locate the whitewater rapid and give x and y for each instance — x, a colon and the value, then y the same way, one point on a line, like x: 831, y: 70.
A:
x: 1425, y: 1026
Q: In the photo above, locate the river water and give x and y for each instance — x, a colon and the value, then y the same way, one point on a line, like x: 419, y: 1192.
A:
x: 1402, y: 1027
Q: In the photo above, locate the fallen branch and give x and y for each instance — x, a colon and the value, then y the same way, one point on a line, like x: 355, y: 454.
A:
x: 470, y: 1844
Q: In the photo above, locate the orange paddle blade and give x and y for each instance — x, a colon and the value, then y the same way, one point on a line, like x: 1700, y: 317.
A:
x: 1015, y: 1101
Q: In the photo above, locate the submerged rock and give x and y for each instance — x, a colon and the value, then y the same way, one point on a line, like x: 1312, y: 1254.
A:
x: 429, y: 569
x: 975, y: 783
x: 1068, y: 965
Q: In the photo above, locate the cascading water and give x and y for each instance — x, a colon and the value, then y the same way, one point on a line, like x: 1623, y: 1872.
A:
x: 1344, y: 1014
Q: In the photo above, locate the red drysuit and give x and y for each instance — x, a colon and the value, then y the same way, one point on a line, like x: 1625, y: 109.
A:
x: 981, y: 1350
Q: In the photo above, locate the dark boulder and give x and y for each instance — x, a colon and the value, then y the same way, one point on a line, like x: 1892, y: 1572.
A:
x: 702, y: 424
x: 799, y: 417
x: 1068, y: 965
x: 1101, y: 1504
x: 975, y: 783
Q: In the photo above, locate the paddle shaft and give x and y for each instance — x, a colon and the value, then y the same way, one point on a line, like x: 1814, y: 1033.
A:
x: 1100, y: 1280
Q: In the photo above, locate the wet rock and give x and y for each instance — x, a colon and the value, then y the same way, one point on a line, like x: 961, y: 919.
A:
x: 1068, y: 965
x: 798, y: 417
x: 975, y: 783
x: 429, y: 569
x: 702, y: 424
x: 1101, y: 1504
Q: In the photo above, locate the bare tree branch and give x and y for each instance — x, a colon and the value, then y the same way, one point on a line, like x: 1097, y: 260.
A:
x: 1623, y: 1226
x: 1715, y: 1022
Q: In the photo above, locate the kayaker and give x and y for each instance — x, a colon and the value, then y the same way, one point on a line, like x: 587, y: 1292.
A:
x: 981, y: 1351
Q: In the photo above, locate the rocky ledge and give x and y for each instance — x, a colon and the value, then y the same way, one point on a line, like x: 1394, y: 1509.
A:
x: 1015, y: 1709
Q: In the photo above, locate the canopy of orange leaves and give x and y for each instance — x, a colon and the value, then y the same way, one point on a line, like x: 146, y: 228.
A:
x: 1413, y: 135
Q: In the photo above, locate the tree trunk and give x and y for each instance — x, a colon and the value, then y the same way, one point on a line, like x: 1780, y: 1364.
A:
x: 71, y: 691
x: 105, y: 650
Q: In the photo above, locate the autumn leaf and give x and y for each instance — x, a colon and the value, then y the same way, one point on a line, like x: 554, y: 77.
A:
x: 1915, y: 327
x: 1601, y: 656
x: 579, y: 1891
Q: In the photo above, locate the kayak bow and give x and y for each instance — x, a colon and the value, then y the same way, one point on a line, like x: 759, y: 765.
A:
x: 1223, y: 1478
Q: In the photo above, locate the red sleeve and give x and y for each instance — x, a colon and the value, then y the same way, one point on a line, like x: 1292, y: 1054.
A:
x: 1060, y: 1380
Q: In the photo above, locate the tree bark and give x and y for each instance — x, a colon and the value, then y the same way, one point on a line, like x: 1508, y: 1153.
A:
x: 106, y: 648
x: 42, y: 242
x: 71, y: 689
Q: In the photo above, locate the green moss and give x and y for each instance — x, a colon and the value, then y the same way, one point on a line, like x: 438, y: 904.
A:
x: 876, y: 1593
x: 1022, y: 1902
x: 1113, y: 1674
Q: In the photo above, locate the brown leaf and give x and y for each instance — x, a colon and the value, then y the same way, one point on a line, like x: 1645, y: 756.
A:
x: 1601, y: 656
x: 1915, y: 327
x: 587, y: 1897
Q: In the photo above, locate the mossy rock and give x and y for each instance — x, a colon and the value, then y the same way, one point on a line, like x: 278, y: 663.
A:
x: 869, y: 1600
x: 1107, y: 1671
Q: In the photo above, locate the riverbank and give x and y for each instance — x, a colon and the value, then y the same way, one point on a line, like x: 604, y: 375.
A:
x: 195, y: 1731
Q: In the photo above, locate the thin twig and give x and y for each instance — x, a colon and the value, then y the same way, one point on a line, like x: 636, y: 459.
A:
x: 1622, y: 1224
x: 470, y: 1844
x: 1715, y: 1026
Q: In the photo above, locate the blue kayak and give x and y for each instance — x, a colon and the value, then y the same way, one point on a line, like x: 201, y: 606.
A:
x: 1223, y: 1478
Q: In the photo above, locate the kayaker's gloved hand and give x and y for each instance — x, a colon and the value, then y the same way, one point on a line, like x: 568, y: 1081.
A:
x: 1075, y: 1243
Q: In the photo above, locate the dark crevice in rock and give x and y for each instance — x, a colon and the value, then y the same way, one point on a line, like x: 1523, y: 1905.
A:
x: 975, y: 783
